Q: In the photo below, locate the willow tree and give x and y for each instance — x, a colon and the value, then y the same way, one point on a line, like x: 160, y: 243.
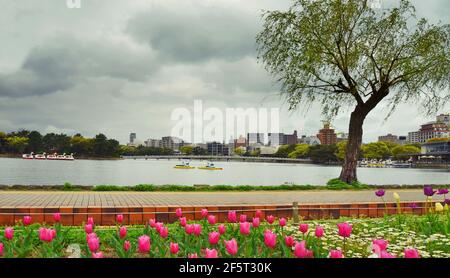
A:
x: 346, y: 54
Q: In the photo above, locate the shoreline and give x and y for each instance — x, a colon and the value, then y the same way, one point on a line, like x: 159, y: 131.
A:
x: 206, y: 188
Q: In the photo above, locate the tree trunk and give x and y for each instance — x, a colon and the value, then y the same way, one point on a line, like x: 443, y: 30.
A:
x: 348, y: 173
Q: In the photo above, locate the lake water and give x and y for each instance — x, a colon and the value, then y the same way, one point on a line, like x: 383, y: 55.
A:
x: 132, y: 172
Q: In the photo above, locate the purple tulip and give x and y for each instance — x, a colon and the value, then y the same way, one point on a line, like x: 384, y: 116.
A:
x: 428, y: 191
x: 380, y: 192
x: 447, y: 201
x: 442, y: 191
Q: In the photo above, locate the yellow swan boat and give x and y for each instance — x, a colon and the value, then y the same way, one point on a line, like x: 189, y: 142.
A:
x: 185, y: 165
x: 209, y: 168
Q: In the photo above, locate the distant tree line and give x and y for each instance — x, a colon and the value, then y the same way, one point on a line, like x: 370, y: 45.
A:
x: 335, y: 153
x: 25, y: 141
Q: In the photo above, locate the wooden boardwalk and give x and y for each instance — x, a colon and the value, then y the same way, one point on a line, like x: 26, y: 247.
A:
x: 121, y: 199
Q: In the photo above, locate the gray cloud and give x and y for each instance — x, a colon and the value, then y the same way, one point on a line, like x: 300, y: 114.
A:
x: 63, y: 61
x: 190, y: 34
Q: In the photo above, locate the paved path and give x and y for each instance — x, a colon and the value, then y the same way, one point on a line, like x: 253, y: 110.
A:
x: 118, y: 199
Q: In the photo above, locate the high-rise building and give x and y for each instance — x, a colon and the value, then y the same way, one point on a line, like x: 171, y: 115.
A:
x: 433, y: 130
x: 388, y: 138
x: 216, y: 148
x: 132, y: 138
x: 291, y: 139
x: 413, y: 137
x: 255, y: 138
x: 276, y: 139
x: 240, y: 142
x: 326, y: 135
x: 171, y: 142
x: 154, y: 143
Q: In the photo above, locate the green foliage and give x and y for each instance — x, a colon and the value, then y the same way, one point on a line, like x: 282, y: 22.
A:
x: 17, y: 144
x: 301, y: 151
x: 239, y: 151
x: 404, y: 152
x: 284, y: 151
x: 187, y: 150
x: 68, y: 187
x: 323, y: 154
x: 377, y: 150
x: 337, y: 184
x: 341, y: 149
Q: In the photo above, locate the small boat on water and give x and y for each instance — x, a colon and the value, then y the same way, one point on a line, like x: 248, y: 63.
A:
x: 184, y: 165
x: 54, y: 156
x: 28, y: 156
x: 210, y: 166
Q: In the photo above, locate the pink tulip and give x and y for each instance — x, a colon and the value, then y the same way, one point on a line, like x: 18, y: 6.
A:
x: 303, y: 228
x: 258, y: 213
x: 336, y: 254
x: 282, y: 222
x: 90, y: 221
x: 179, y: 212
x: 319, y: 231
x: 213, y: 238
x: 255, y: 222
x: 270, y: 219
x: 222, y: 229
x: 94, y: 244
x: 144, y: 244
x: 245, y: 228
x: 164, y: 232
x: 9, y: 233
x: 183, y: 221
x: 211, y: 219
x: 289, y: 240
x: 126, y: 245
x: 152, y: 223
x: 2, y: 247
x: 381, y: 243
x: 242, y: 218
x: 411, y: 254
x: 26, y: 220
x: 47, y: 234
x: 345, y: 229
x: 119, y: 218
x: 197, y: 229
x: 231, y: 246
x: 158, y: 226
x: 270, y: 239
x: 91, y: 235
x: 57, y: 217
x: 189, y: 229
x: 88, y: 228
x: 174, y: 248
x: 383, y: 254
x: 301, y: 251
x: 211, y: 253
x: 193, y: 256
x: 98, y: 255
x: 232, y: 216
x: 123, y: 232
x: 204, y: 213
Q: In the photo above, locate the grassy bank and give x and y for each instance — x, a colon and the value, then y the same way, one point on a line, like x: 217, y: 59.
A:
x: 331, y: 185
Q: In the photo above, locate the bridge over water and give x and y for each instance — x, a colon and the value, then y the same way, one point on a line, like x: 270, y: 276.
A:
x: 221, y: 158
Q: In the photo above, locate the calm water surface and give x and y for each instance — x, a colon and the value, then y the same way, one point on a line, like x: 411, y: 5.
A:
x: 132, y: 172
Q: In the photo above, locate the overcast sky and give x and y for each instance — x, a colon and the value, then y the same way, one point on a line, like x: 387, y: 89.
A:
x: 121, y: 66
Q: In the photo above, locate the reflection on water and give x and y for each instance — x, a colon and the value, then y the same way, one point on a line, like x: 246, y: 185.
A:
x: 132, y: 172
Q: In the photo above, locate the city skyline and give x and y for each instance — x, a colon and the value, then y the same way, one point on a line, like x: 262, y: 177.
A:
x: 127, y: 72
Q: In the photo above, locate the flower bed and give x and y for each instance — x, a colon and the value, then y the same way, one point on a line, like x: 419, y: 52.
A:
x: 399, y: 235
